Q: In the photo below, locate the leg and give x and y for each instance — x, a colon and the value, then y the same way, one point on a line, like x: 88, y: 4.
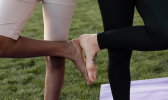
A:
x: 26, y: 47
x: 55, y: 68
x: 13, y: 45
x: 56, y: 27
x: 114, y: 17
x: 151, y: 37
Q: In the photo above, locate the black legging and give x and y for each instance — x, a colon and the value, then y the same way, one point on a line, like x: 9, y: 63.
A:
x: 151, y: 37
x: 120, y: 37
x: 118, y: 14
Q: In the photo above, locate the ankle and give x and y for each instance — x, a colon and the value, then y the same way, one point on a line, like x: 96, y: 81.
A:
x: 69, y: 50
x: 62, y: 49
x: 95, y: 43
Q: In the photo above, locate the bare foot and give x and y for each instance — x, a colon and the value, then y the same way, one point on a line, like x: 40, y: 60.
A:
x: 90, y: 46
x: 79, y: 59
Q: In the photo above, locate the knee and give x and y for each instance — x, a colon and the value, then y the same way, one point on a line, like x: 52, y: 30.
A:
x: 55, y: 62
x: 164, y: 31
x: 158, y: 34
x: 5, y: 44
x: 163, y: 35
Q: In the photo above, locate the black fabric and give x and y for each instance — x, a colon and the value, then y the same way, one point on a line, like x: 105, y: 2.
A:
x: 120, y: 37
x: 151, y: 37
x: 117, y: 14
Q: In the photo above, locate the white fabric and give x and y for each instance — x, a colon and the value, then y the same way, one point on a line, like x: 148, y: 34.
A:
x: 57, y: 16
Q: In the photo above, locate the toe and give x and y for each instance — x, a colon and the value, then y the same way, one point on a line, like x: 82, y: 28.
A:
x: 91, y: 73
x: 89, y: 82
x: 87, y: 77
x: 91, y: 77
x: 95, y: 74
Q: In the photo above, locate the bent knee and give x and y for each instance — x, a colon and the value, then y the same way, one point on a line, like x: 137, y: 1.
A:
x: 164, y: 34
x: 5, y: 44
x: 159, y: 33
x: 164, y: 31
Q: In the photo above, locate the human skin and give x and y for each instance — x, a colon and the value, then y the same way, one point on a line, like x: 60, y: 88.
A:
x: 90, y: 46
x: 55, y: 70
x: 26, y: 47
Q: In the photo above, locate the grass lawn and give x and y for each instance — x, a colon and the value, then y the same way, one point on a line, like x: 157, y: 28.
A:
x: 23, y: 79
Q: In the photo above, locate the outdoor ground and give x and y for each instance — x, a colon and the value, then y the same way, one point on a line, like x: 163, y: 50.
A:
x: 23, y: 79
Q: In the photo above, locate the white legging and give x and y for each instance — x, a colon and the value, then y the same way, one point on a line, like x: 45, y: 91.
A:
x: 57, y: 16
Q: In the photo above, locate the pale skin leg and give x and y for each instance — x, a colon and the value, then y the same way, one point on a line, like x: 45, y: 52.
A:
x: 90, y: 46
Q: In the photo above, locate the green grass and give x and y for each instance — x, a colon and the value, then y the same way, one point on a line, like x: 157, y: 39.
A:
x: 23, y: 79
